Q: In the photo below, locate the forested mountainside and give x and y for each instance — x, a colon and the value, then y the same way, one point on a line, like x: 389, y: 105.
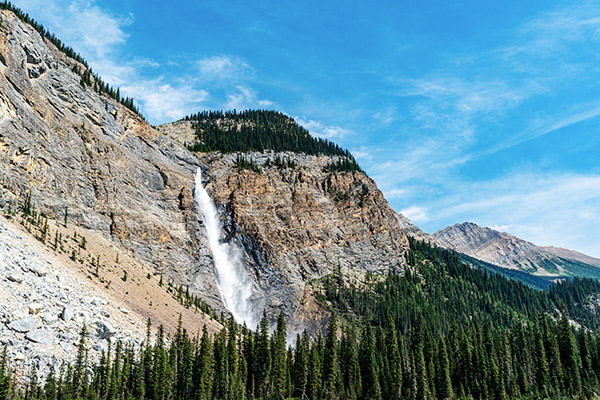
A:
x: 410, y: 344
x: 260, y: 130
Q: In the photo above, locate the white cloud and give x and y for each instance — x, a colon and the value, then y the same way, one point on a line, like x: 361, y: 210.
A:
x: 82, y: 24
x: 462, y: 105
x: 163, y: 101
x: 223, y: 68
x: 386, y: 117
x: 395, y: 193
x: 500, y: 228
x: 100, y: 37
x: 559, y: 210
x: 245, y: 98
x: 319, y: 129
x: 415, y: 213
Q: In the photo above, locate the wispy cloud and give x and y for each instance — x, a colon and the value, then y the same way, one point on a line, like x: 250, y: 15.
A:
x: 553, y: 209
x: 415, y: 214
x: 164, y: 102
x: 218, y: 81
x: 82, y: 24
x: 223, y: 68
x: 500, y: 228
x: 465, y: 101
x: 245, y: 98
x: 319, y: 129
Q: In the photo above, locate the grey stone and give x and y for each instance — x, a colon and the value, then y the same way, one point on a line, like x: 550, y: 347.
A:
x: 23, y: 325
x: 41, y: 336
x: 39, y: 270
x: 67, y: 313
x: 67, y: 347
x: 21, y: 312
x: 101, y: 329
x: 14, y: 277
x: 101, y: 346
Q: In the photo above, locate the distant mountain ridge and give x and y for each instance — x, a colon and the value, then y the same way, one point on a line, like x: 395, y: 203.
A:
x: 508, y: 251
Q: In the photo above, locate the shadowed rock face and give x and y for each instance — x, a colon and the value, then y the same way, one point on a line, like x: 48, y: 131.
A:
x: 73, y: 148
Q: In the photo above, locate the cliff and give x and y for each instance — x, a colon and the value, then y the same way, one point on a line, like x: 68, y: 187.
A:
x: 72, y: 149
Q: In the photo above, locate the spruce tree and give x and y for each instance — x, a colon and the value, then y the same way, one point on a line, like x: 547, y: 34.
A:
x: 279, y: 372
x: 330, y: 362
x: 263, y: 358
x: 368, y: 367
x: 569, y: 356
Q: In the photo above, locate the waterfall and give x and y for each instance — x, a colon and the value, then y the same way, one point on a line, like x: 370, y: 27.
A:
x: 233, y: 280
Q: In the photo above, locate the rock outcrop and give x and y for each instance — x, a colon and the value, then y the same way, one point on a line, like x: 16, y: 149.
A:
x: 75, y: 150
x: 414, y: 231
x: 508, y: 251
x: 302, y: 223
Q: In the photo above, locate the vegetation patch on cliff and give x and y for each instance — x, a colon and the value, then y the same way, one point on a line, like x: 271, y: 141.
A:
x: 260, y: 130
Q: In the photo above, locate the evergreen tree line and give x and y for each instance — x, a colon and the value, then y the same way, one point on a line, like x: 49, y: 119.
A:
x: 533, y: 355
x: 258, y: 130
x: 88, y: 77
x: 439, y: 288
x: 343, y: 164
x: 427, y: 347
x: 543, y: 358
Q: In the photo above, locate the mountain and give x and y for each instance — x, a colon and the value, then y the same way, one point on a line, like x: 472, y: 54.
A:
x: 224, y: 225
x: 510, y: 252
x: 414, y: 231
x: 69, y: 147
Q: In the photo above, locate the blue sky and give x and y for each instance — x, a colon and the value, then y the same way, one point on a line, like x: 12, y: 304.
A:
x: 468, y: 111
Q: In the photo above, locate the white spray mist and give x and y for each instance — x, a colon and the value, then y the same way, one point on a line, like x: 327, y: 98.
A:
x: 233, y: 280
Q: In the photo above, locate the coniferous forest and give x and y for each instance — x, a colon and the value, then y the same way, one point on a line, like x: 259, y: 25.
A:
x: 260, y: 130
x: 442, y: 330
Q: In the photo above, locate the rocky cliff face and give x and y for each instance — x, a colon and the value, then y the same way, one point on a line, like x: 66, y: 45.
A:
x: 299, y: 224
x: 72, y: 148
x: 508, y: 251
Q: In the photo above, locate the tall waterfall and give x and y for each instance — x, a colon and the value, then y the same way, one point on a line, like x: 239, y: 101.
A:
x: 233, y: 280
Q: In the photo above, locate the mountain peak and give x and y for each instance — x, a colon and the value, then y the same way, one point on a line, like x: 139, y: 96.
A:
x: 511, y: 252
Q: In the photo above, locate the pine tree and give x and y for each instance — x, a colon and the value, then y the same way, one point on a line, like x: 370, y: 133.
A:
x: 204, y: 367
x: 279, y: 372
x: 444, y: 384
x: 349, y: 365
x: 5, y: 377
x: 263, y: 358
x: 79, y: 379
x: 569, y: 356
x: 50, y: 390
x: 330, y: 364
x: 368, y: 366
x: 299, y: 372
x: 393, y: 368
x: 313, y: 387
